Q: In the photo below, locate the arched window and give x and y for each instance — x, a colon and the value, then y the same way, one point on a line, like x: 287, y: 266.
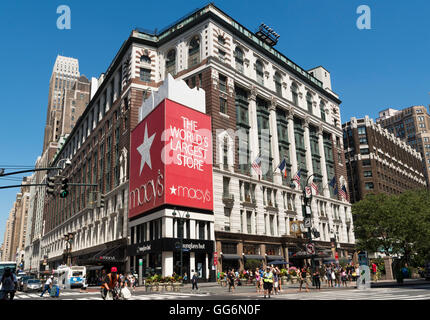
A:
x: 194, y: 51
x: 294, y: 94
x: 278, y: 83
x: 145, y: 59
x: 221, y: 40
x: 259, y: 71
x: 171, y: 62
x: 238, y: 57
x: 309, y: 102
x: 322, y: 109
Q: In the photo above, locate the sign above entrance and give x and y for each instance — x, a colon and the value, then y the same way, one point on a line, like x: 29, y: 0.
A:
x: 171, y: 160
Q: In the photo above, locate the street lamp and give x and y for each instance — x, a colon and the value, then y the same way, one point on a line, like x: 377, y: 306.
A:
x: 182, y: 216
x: 307, y: 214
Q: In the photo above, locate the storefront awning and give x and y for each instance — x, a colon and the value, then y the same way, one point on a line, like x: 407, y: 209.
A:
x: 89, y: 268
x: 269, y: 257
x: 253, y: 257
x: 230, y: 256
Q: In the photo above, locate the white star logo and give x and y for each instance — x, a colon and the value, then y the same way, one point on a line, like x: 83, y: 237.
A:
x: 144, y: 150
x: 173, y: 190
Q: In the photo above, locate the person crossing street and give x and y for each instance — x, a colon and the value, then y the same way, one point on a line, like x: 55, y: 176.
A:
x: 267, y: 282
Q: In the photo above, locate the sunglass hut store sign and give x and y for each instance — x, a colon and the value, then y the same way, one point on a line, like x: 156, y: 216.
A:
x: 171, y: 159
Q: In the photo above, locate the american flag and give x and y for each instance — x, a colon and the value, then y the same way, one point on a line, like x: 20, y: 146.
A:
x: 315, y: 187
x: 343, y: 192
x: 256, y: 165
x: 297, y: 177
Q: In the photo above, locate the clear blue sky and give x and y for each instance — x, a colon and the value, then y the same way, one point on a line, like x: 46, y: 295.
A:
x: 370, y: 69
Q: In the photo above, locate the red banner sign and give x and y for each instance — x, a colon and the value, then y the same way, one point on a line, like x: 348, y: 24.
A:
x: 171, y: 160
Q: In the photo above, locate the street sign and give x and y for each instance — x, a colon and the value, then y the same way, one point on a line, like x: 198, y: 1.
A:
x: 307, y: 223
x: 310, y: 248
x: 140, y: 262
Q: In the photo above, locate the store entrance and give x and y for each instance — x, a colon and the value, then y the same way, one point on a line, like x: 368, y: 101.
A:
x: 201, y: 265
x: 185, y: 263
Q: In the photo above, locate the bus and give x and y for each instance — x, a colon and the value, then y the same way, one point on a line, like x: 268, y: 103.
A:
x: 70, y: 277
x: 6, y: 264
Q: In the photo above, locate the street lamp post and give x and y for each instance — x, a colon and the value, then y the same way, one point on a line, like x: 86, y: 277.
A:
x: 182, y: 216
x: 307, y: 214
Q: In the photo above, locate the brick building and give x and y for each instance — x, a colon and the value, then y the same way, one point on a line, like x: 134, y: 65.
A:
x: 251, y: 88
x: 377, y: 161
x: 411, y: 125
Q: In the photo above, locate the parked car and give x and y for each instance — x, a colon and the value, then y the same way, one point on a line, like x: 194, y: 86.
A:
x: 21, y: 281
x: 32, y: 285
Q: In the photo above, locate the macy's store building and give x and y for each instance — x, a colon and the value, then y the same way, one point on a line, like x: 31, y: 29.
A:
x: 171, y: 216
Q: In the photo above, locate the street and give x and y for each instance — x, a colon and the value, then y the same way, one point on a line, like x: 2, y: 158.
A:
x: 410, y: 292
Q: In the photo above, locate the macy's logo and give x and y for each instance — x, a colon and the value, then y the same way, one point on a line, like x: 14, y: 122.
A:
x: 191, y: 193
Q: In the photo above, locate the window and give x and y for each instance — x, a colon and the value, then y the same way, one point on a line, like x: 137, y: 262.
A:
x: 171, y: 62
x: 294, y: 94
x: 223, y: 105
x: 278, y: 84
x: 194, y: 52
x: 367, y: 173
x: 221, y: 40
x: 309, y: 102
x: 145, y: 74
x: 363, y: 140
x: 145, y: 59
x: 227, y: 214
x: 221, y: 55
x: 259, y: 72
x: 223, y: 83
x: 322, y: 109
x: 361, y: 130
x: 364, y: 150
x: 366, y: 162
x: 238, y: 57
x: 368, y: 185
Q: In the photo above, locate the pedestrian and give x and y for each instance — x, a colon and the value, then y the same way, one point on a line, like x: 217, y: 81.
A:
x: 344, y: 278
x: 374, y: 271
x: 48, y: 286
x: 275, y: 281
x: 317, y: 280
x: 194, y: 280
x: 185, y: 277
x: 303, y: 279
x: 328, y: 276
x: 258, y: 280
x: 230, y: 280
x: 9, y: 284
x: 267, y: 282
x: 279, y: 279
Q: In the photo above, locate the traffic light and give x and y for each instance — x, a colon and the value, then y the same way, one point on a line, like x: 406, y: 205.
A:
x: 50, y: 185
x: 64, y: 188
x: 100, y: 200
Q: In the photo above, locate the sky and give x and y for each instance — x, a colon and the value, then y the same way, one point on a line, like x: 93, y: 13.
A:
x: 371, y: 69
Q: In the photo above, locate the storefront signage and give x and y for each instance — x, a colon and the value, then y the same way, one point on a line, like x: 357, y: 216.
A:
x: 144, y: 248
x: 171, y: 159
x: 170, y: 244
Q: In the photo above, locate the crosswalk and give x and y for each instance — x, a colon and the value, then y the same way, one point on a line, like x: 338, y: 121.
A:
x: 65, y: 295
x: 355, y: 294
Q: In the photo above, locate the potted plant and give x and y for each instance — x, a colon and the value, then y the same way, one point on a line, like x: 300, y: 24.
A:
x: 293, y: 274
x: 284, y: 276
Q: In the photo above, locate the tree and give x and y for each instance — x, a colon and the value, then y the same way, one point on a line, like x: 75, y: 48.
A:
x: 399, y: 224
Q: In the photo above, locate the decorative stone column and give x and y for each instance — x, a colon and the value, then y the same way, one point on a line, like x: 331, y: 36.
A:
x: 325, y: 191
x: 308, y: 147
x: 292, y: 141
x: 253, y: 131
x: 277, y: 178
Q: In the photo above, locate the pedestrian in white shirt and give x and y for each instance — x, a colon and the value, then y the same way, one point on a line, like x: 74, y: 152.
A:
x: 48, y: 285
